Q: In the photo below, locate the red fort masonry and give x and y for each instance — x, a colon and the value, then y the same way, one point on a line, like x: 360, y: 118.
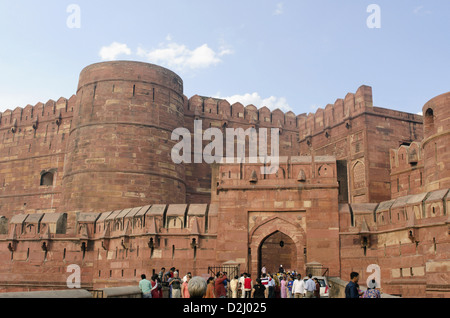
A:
x: 89, y: 181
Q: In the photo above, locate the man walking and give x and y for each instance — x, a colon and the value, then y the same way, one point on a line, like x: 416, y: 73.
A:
x: 310, y: 287
x: 298, y: 287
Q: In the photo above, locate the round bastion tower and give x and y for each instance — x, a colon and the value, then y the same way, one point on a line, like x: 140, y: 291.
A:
x: 436, y: 143
x: 119, y: 148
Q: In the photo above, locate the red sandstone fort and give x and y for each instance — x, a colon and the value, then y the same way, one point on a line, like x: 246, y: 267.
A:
x: 89, y: 180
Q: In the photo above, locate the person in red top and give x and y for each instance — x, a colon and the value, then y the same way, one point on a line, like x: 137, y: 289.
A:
x: 219, y: 286
x: 248, y: 285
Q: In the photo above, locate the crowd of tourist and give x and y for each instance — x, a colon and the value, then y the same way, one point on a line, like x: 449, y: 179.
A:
x: 283, y: 284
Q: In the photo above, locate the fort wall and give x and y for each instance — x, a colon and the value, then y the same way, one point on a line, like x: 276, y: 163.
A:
x: 89, y: 181
x: 112, y: 248
x: 360, y: 136
x: 33, y: 146
x: 406, y: 237
x: 217, y: 113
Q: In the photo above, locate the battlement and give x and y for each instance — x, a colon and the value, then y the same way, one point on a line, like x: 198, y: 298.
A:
x: 410, y: 211
x: 334, y: 114
x: 220, y: 109
x: 32, y: 115
x: 406, y: 157
x: 141, y: 237
x: 188, y: 219
x: 305, y: 124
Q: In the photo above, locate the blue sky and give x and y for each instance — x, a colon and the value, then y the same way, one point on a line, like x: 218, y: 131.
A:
x: 294, y: 55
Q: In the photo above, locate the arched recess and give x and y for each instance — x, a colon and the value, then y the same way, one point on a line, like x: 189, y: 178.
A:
x: 429, y: 117
x: 261, y: 232
x: 275, y: 250
x: 359, y: 175
x: 47, y: 178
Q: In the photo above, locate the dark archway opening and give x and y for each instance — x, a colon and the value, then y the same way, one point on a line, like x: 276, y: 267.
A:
x: 428, y: 121
x: 429, y: 116
x: 275, y: 250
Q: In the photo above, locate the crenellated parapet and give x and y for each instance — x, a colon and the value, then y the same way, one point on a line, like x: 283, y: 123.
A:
x: 153, y: 220
x: 118, y: 228
x: 406, y: 156
x: 221, y: 110
x: 409, y: 224
x: 198, y: 219
x: 409, y: 212
x: 342, y: 111
x: 31, y: 116
x: 40, y: 227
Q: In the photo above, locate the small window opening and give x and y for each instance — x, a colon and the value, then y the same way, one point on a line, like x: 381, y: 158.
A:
x: 429, y: 117
x: 47, y: 179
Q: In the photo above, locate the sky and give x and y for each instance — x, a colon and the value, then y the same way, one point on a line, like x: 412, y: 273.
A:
x: 295, y: 55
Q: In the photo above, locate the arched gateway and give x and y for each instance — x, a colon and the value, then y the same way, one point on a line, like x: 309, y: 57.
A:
x: 274, y: 242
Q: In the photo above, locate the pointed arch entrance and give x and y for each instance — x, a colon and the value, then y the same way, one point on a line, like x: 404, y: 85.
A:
x: 275, y: 250
x: 265, y: 239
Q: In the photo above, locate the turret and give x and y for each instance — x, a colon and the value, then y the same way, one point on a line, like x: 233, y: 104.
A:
x: 119, y: 148
x: 436, y: 143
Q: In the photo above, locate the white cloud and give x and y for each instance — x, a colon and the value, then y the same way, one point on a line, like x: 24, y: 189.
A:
x: 271, y: 102
x: 170, y: 54
x: 419, y: 10
x: 279, y: 10
x: 111, y: 52
x: 180, y: 57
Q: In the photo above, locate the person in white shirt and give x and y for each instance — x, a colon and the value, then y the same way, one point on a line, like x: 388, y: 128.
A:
x: 241, y: 282
x: 298, y: 288
x: 271, y: 285
x: 234, y: 285
x: 310, y: 287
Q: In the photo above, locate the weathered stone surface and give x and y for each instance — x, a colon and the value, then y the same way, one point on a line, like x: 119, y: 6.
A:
x: 90, y: 181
